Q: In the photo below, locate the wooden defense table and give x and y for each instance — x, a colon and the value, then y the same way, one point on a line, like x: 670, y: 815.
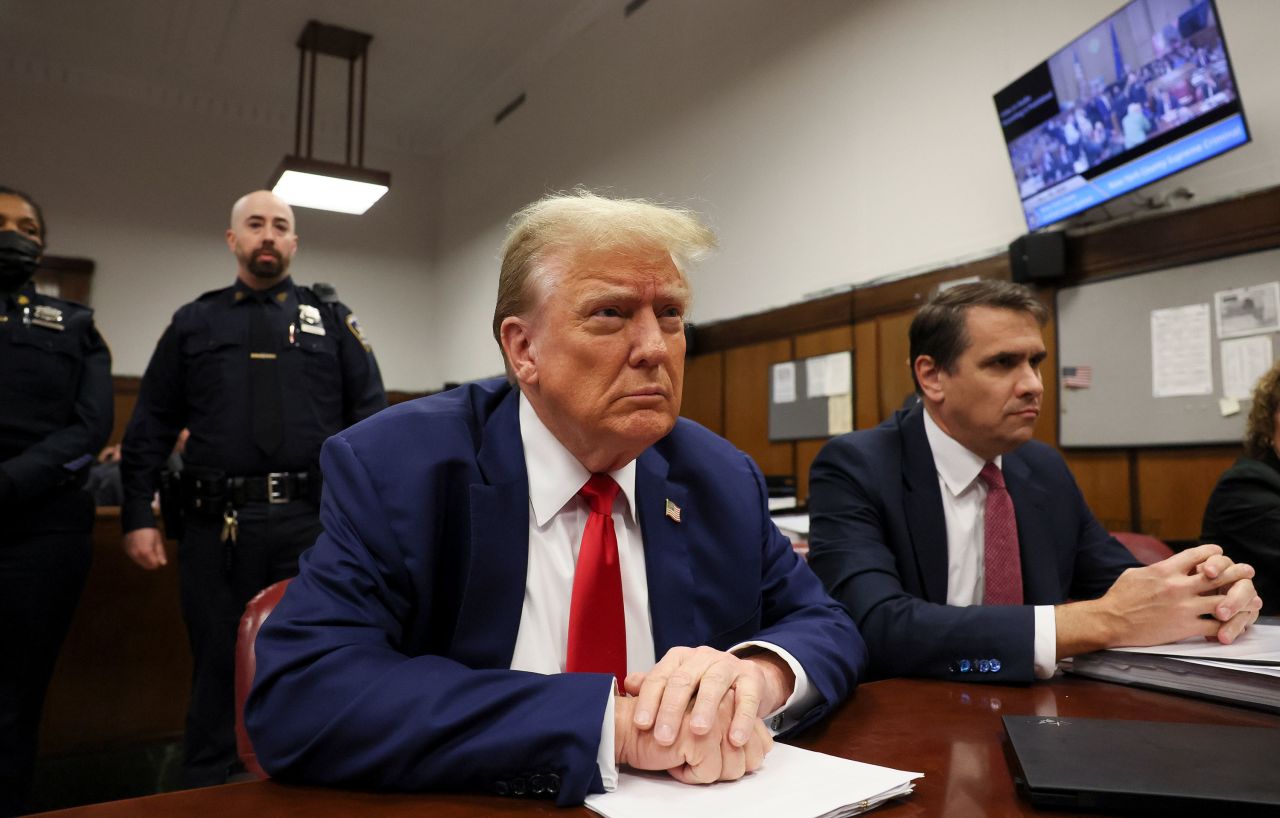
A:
x: 950, y: 731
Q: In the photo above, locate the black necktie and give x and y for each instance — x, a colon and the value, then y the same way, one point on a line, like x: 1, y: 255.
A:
x: 264, y: 379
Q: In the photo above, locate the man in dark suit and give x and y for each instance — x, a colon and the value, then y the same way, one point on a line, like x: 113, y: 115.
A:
x: 955, y: 540
x: 498, y: 558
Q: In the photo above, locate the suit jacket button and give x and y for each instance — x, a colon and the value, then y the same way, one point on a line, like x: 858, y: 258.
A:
x: 501, y: 788
x: 965, y: 666
x: 519, y: 785
x: 553, y: 783
x: 984, y: 666
x: 995, y: 665
x: 536, y: 785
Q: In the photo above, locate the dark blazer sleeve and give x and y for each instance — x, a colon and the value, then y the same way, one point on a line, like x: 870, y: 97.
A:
x: 861, y: 549
x: 1243, y: 516
x: 343, y: 697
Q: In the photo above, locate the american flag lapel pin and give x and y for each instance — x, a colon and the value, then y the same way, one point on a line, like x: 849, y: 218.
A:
x: 673, y: 511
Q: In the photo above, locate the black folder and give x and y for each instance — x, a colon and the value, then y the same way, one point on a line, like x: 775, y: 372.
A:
x: 1147, y: 767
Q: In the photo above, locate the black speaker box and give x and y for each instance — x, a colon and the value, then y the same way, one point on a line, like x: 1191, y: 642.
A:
x: 1038, y: 257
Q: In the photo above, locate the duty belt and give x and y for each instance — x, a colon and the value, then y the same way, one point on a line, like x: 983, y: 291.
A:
x: 208, y: 491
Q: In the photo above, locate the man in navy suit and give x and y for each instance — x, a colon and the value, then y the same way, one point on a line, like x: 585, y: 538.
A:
x: 426, y: 639
x: 956, y: 541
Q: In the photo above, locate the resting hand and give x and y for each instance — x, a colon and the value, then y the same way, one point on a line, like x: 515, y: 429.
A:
x: 1238, y: 604
x: 1160, y: 603
x: 759, y: 684
x: 693, y: 758
x: 145, y: 546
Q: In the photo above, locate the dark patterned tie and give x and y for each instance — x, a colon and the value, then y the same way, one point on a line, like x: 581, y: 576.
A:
x: 597, y: 626
x: 1002, y: 564
x: 267, y: 424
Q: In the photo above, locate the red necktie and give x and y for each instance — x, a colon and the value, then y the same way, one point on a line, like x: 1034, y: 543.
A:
x: 1002, y: 565
x: 597, y: 627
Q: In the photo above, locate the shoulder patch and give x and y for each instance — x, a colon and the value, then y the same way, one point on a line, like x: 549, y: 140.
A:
x: 354, y: 326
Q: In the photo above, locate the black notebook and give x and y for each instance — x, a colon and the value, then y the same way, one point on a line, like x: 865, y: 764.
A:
x: 1148, y: 767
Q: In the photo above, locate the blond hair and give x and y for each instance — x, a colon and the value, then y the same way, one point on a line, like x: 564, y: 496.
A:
x: 584, y: 222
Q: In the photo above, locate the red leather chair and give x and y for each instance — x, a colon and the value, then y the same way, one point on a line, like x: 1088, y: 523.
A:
x: 1145, y: 548
x: 255, y: 613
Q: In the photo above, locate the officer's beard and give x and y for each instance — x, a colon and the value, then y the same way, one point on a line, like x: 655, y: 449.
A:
x: 267, y: 262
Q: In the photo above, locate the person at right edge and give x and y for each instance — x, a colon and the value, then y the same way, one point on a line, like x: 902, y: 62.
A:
x: 261, y: 373
x: 1243, y: 512
x: 956, y: 541
x: 55, y: 414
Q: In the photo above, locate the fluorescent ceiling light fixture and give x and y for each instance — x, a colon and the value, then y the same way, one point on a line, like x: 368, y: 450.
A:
x: 328, y: 186
x: 301, y: 179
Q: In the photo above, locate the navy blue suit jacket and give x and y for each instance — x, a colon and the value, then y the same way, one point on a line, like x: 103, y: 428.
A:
x: 387, y: 664
x: 878, y: 540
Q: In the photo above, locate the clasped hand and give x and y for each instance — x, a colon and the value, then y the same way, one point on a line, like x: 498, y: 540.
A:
x: 1199, y: 591
x: 697, y: 714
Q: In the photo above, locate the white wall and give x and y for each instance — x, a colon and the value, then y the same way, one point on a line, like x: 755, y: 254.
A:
x: 145, y: 190
x: 829, y: 142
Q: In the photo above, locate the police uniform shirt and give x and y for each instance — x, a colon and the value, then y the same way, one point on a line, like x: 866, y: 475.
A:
x: 55, y: 373
x: 199, y: 378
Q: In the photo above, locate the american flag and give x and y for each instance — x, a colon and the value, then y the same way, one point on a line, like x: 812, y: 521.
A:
x: 1077, y: 377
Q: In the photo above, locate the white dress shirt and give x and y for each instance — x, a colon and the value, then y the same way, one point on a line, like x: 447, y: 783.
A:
x: 964, y: 499
x: 557, y: 517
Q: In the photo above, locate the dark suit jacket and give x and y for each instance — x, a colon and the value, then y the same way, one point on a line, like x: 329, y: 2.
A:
x: 878, y: 540
x: 387, y: 664
x: 1243, y: 516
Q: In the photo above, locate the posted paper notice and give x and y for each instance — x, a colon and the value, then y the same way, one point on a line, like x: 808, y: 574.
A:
x: 1244, y: 361
x: 1181, y: 359
x: 784, y: 382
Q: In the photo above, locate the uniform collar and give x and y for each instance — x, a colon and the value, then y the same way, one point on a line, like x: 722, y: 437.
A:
x: 957, y: 466
x: 278, y: 294
x: 555, y: 475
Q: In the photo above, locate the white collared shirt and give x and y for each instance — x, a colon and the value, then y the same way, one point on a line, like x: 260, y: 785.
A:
x: 557, y: 517
x: 964, y: 499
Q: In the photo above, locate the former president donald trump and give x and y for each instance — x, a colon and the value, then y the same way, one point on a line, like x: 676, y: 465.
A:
x: 502, y: 564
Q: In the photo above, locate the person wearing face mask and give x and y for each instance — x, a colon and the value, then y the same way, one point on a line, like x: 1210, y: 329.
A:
x: 261, y: 373
x: 55, y: 414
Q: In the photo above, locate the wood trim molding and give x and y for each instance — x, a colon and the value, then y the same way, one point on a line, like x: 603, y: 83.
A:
x: 1242, y: 224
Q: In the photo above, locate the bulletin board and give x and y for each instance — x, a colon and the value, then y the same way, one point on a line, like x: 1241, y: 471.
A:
x: 811, y: 397
x: 1124, y: 341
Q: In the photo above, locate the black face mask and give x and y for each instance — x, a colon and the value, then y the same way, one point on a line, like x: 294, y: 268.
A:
x: 19, y: 257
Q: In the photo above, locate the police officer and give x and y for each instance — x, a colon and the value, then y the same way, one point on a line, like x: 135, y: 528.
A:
x: 260, y: 372
x: 55, y: 414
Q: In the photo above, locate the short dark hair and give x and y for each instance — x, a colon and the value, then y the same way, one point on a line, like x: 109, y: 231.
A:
x: 8, y: 191
x: 938, y: 330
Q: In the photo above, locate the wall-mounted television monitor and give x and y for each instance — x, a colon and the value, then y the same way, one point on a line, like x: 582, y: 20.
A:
x: 1145, y: 93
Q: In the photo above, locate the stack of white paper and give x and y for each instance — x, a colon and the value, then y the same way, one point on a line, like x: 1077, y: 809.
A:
x: 1246, y: 672
x: 793, y: 783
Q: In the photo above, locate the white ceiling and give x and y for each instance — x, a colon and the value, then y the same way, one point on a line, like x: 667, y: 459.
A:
x: 437, y: 68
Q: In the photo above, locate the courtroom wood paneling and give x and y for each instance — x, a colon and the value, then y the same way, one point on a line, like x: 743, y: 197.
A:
x: 836, y: 339
x: 703, y: 399
x: 1046, y: 429
x: 124, y: 397
x: 866, y: 375
x: 1174, y: 486
x: 69, y: 278
x: 746, y: 402
x: 894, y: 348
x: 1103, y: 477
x: 124, y: 672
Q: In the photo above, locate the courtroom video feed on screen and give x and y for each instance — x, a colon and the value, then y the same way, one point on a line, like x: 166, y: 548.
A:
x: 1147, y: 92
